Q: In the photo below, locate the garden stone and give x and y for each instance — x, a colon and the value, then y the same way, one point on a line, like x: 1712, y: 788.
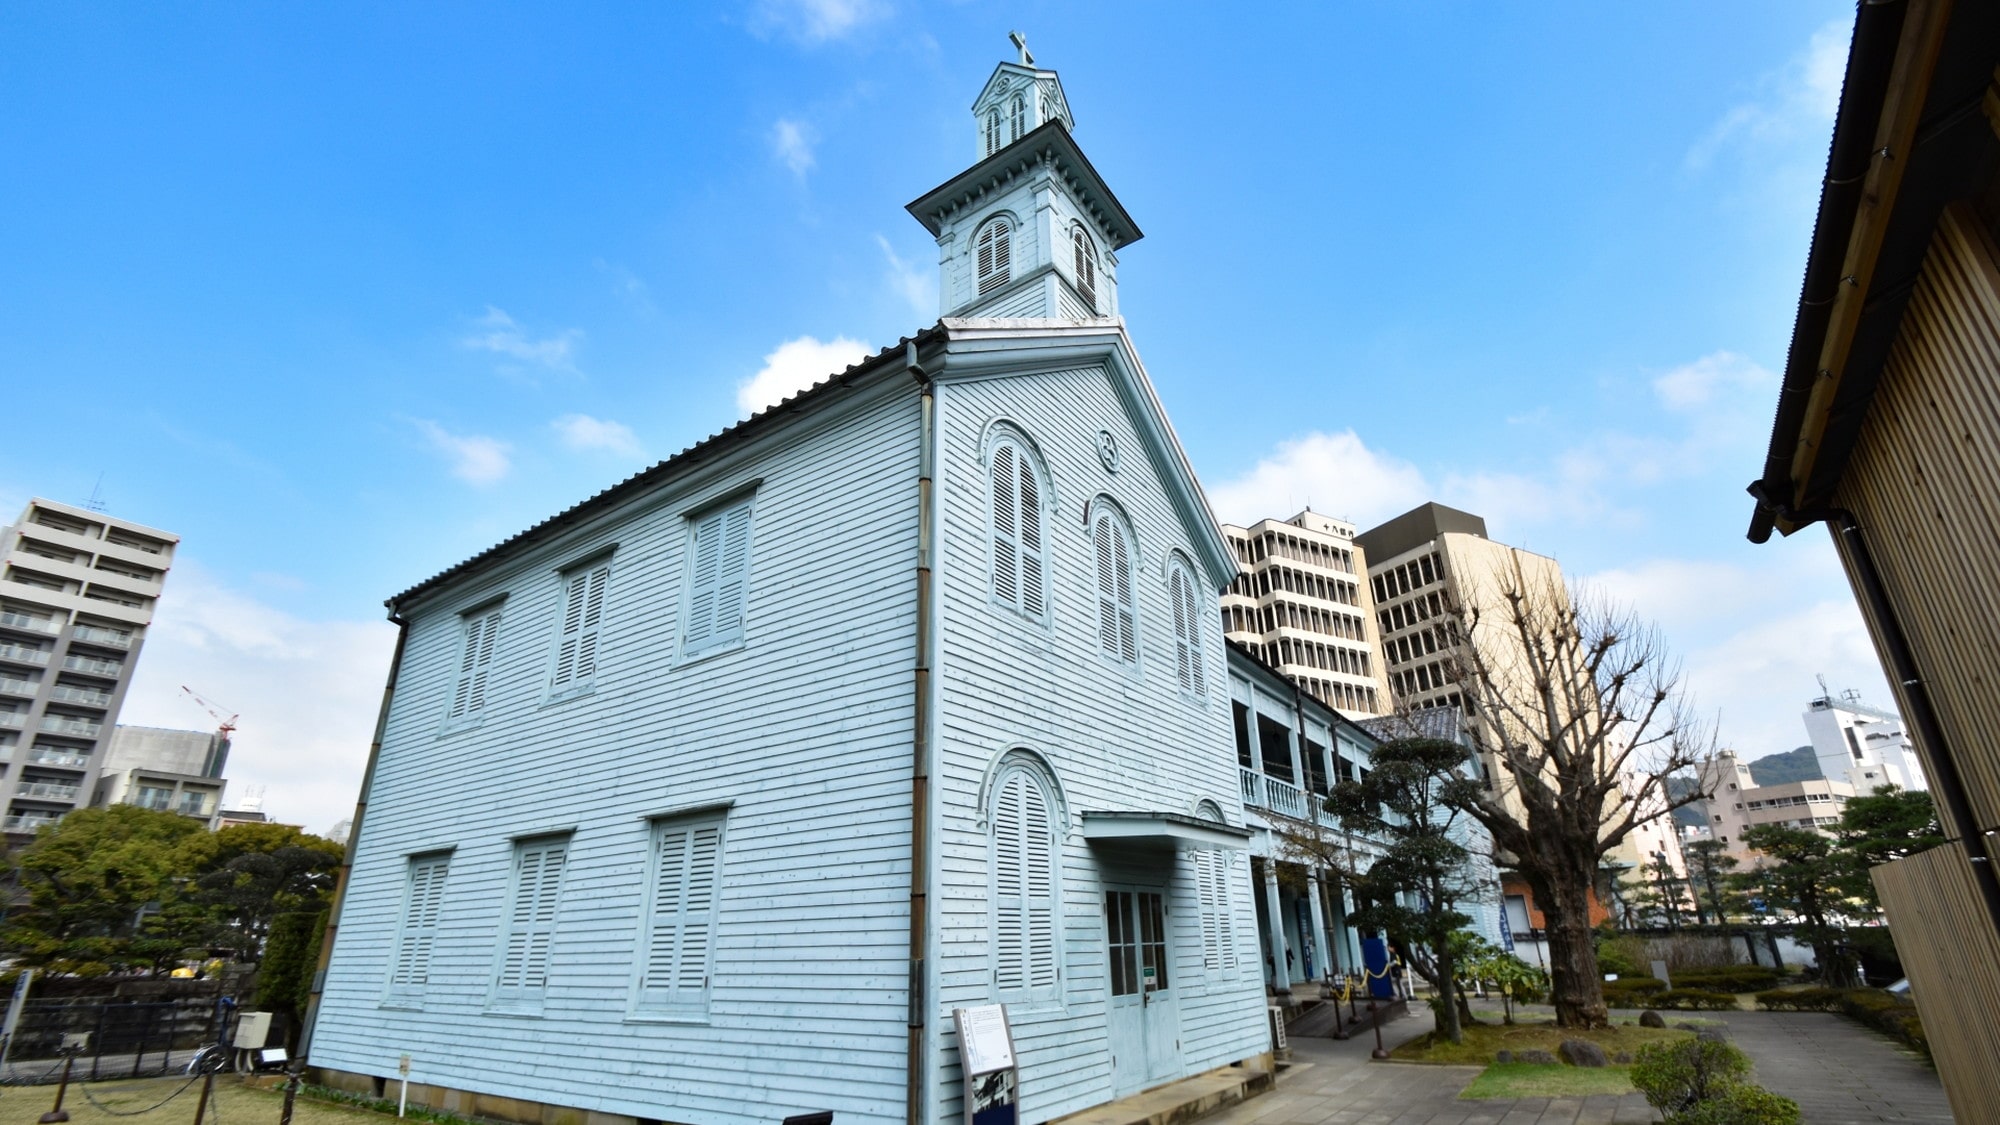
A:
x: 1686, y: 1025
x: 1504, y: 1057
x: 1651, y: 1018
x: 1712, y: 1035
x: 1582, y: 1052
x: 1622, y: 1058
x: 1539, y: 1057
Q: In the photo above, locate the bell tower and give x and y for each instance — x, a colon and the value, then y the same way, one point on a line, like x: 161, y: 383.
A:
x: 1030, y: 231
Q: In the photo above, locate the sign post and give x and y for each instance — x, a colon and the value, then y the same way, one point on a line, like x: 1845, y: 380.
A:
x: 986, y: 1059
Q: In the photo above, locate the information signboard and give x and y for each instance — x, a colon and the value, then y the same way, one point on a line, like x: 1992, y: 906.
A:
x: 986, y: 1059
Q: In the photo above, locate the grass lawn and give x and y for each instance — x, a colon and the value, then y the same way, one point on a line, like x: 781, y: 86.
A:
x: 1537, y: 1080
x: 232, y: 1104
x: 1483, y: 1041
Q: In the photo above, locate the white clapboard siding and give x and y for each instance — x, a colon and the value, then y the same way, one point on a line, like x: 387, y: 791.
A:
x: 799, y: 739
x: 1117, y: 742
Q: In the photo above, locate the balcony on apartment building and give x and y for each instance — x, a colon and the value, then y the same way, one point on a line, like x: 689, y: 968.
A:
x: 74, y: 727
x: 49, y: 791
x: 19, y: 689
x: 22, y: 654
x: 28, y: 822
x: 92, y: 666
x: 28, y: 622
x: 14, y: 720
x: 60, y: 758
x: 99, y: 635
x: 81, y: 696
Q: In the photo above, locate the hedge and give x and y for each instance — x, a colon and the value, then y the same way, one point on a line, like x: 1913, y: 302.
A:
x: 1735, y: 978
x: 1694, y: 1000
x: 1873, y: 1007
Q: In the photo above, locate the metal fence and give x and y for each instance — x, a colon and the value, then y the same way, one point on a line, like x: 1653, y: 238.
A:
x: 113, y: 1039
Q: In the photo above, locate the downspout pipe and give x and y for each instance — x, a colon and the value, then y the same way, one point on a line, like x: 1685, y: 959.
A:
x: 1946, y: 781
x: 353, y: 839
x: 923, y: 736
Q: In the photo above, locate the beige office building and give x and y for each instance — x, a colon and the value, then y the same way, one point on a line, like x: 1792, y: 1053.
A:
x: 77, y: 590
x: 1736, y: 803
x: 1301, y: 605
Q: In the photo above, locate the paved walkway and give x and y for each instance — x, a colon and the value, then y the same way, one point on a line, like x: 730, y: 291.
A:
x: 1334, y: 1082
x: 1839, y: 1072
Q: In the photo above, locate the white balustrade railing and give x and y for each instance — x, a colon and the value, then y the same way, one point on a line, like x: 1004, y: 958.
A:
x: 24, y: 655
x: 27, y: 621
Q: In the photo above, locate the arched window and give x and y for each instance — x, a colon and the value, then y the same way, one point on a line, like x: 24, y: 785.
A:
x: 1086, y: 265
x: 996, y: 260
x: 993, y: 130
x: 1117, y: 617
x: 1189, y: 665
x: 1024, y: 852
x: 1017, y: 529
x: 1017, y: 114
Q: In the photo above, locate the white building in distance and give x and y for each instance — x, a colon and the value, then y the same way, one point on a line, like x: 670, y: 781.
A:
x: 1860, y: 745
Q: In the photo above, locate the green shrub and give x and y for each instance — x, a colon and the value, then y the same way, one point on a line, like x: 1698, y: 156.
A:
x: 1741, y: 1104
x: 1735, y: 978
x: 1693, y: 1000
x: 1679, y: 1074
x: 1800, y: 1000
x: 1890, y: 1015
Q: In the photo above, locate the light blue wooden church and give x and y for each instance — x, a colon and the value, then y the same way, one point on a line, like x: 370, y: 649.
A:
x: 709, y: 799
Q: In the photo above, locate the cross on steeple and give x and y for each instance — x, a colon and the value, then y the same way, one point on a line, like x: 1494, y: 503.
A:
x: 1020, y: 42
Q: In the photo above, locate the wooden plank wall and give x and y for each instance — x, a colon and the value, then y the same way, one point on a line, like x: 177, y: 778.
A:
x: 1924, y: 481
x: 1949, y: 949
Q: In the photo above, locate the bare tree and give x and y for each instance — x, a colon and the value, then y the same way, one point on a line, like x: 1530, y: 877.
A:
x: 1579, y: 718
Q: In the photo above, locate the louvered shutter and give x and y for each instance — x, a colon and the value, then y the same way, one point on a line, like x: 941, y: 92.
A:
x: 468, y: 697
x: 1224, y: 866
x: 1006, y: 528
x: 1183, y: 658
x: 1010, y: 908
x: 681, y: 928
x: 1128, y: 638
x: 1039, y: 887
x: 574, y: 590
x: 995, y: 255
x: 423, y: 901
x: 524, y: 958
x: 593, y: 623
x: 1107, y: 586
x: 718, y: 579
x: 1205, y: 886
x: 1033, y: 597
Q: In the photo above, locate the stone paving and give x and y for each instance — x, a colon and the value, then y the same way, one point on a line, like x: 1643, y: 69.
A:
x: 1839, y: 1072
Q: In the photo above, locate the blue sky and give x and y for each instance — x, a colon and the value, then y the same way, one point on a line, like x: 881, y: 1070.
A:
x: 343, y: 294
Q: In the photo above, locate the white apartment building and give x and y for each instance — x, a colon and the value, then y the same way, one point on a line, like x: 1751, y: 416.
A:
x: 77, y: 590
x: 1301, y: 605
x: 1860, y: 745
x: 170, y: 770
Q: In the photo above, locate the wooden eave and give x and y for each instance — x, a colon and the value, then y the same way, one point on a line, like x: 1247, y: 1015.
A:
x: 1912, y: 135
x: 1049, y: 143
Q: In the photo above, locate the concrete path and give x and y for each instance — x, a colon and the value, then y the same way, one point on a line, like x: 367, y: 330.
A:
x: 1839, y: 1072
x: 1334, y: 1082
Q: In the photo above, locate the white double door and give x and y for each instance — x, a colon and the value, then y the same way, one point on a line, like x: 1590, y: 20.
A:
x: 1145, y: 1018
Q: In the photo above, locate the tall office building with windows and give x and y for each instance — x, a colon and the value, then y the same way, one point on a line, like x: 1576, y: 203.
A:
x: 77, y: 590
x: 1302, y: 605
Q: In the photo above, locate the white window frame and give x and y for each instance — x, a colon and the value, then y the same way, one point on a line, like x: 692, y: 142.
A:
x: 714, y: 609
x: 1017, y: 569
x: 993, y: 254
x: 472, y: 676
x: 1190, y: 656
x: 1115, y: 590
x: 582, y: 595
x: 534, y: 903
x: 424, y: 879
x: 674, y: 919
x: 1025, y: 901
x: 1084, y: 264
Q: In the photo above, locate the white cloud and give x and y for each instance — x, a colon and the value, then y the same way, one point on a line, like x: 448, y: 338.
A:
x: 500, y: 334
x: 794, y: 366
x: 582, y: 432
x: 1333, y: 473
x: 791, y: 143
x: 1796, y: 100
x: 474, y: 459
x: 308, y: 691
x: 816, y: 21
x: 1722, y: 380
x: 914, y: 285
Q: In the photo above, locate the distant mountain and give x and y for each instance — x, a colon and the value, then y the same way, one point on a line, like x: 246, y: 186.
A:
x: 1679, y: 785
x: 1792, y: 765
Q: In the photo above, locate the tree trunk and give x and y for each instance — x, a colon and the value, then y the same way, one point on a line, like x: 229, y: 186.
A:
x: 1575, y: 986
x: 1447, y: 983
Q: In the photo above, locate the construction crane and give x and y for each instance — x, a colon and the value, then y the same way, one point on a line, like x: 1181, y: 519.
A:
x: 225, y: 726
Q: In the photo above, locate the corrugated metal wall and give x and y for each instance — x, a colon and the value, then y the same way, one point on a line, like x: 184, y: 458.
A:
x: 1924, y: 482
x: 1953, y: 957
